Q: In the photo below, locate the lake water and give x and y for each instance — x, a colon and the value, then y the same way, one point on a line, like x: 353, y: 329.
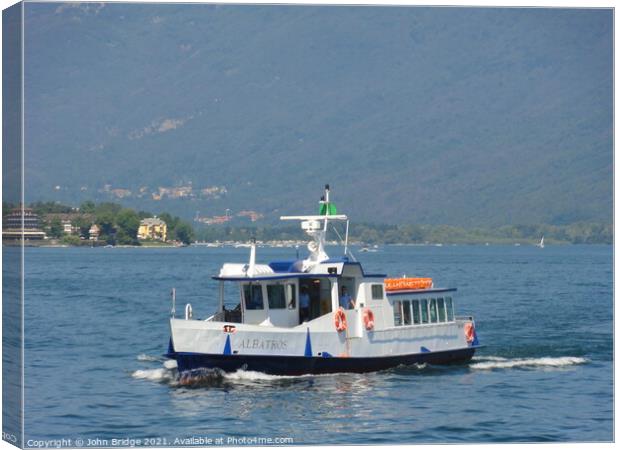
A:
x: 96, y: 326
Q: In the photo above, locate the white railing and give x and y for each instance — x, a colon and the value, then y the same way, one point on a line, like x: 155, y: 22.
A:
x: 189, y: 312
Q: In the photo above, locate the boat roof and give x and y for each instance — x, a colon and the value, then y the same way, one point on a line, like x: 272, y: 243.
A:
x: 420, y: 291
x: 290, y: 269
x: 331, y: 268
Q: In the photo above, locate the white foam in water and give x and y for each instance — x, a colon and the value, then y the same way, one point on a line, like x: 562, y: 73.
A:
x: 249, y: 375
x: 489, y: 358
x: 143, y: 357
x: 154, y: 374
x: 170, y: 364
x: 494, y: 362
x: 168, y: 373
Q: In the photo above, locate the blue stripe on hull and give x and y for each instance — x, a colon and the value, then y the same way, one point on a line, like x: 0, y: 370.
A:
x: 301, y: 365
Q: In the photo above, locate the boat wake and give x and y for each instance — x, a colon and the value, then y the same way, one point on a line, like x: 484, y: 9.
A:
x: 168, y: 374
x: 496, y: 362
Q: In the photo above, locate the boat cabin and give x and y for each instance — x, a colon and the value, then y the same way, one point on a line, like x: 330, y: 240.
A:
x: 272, y: 294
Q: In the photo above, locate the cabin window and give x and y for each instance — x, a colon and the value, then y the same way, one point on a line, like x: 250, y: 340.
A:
x: 415, y: 305
x: 441, y: 310
x: 397, y: 313
x: 253, y: 294
x: 424, y: 307
x: 449, y: 309
x: 275, y: 296
x: 406, y: 312
x: 290, y: 295
x: 377, y: 292
x: 433, y: 310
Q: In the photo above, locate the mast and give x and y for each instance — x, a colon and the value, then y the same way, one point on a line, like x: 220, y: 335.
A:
x: 316, y: 227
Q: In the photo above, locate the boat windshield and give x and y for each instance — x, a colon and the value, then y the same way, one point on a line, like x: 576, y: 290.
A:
x: 253, y: 295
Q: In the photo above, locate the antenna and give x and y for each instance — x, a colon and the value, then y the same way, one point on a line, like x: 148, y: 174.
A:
x: 312, y: 225
x: 326, y: 206
x: 345, y: 240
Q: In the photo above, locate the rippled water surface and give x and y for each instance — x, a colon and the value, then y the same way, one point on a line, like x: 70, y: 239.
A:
x: 96, y: 326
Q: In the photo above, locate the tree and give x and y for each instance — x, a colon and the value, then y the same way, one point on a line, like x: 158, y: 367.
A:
x: 105, y: 220
x: 144, y: 214
x: 171, y: 222
x: 8, y: 207
x: 56, y: 228
x: 87, y: 207
x: 108, y: 207
x: 184, y: 233
x: 71, y: 240
x: 128, y: 223
x: 49, y: 208
x: 83, y: 224
x: 123, y: 238
x: 109, y: 239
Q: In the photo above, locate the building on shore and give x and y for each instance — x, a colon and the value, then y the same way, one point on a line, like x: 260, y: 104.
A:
x: 12, y: 225
x: 67, y: 227
x: 93, y: 232
x: 153, y: 228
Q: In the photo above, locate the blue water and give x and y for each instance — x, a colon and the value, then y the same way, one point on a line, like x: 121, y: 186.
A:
x: 96, y: 325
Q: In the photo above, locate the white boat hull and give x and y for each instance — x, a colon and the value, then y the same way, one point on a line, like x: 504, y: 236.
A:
x: 312, y: 347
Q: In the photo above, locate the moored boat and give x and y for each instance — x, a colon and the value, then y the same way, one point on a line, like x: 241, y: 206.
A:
x: 321, y: 314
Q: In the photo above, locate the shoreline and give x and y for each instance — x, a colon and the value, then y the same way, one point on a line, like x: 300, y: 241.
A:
x: 361, y: 247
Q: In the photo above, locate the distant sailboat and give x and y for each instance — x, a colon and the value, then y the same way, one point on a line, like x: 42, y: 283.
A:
x: 541, y: 244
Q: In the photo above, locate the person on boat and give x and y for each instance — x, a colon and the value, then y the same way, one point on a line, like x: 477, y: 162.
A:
x: 304, y: 304
x: 345, y: 299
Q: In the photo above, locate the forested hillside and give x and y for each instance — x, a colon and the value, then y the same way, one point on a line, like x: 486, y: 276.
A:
x: 461, y: 116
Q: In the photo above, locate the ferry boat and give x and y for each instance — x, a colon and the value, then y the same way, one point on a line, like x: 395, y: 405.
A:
x: 320, y: 315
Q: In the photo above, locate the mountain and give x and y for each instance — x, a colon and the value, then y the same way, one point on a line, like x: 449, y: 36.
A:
x: 465, y: 116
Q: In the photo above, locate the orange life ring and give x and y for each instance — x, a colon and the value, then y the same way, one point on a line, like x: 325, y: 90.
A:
x: 340, y: 320
x: 470, y: 333
x: 369, y: 319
